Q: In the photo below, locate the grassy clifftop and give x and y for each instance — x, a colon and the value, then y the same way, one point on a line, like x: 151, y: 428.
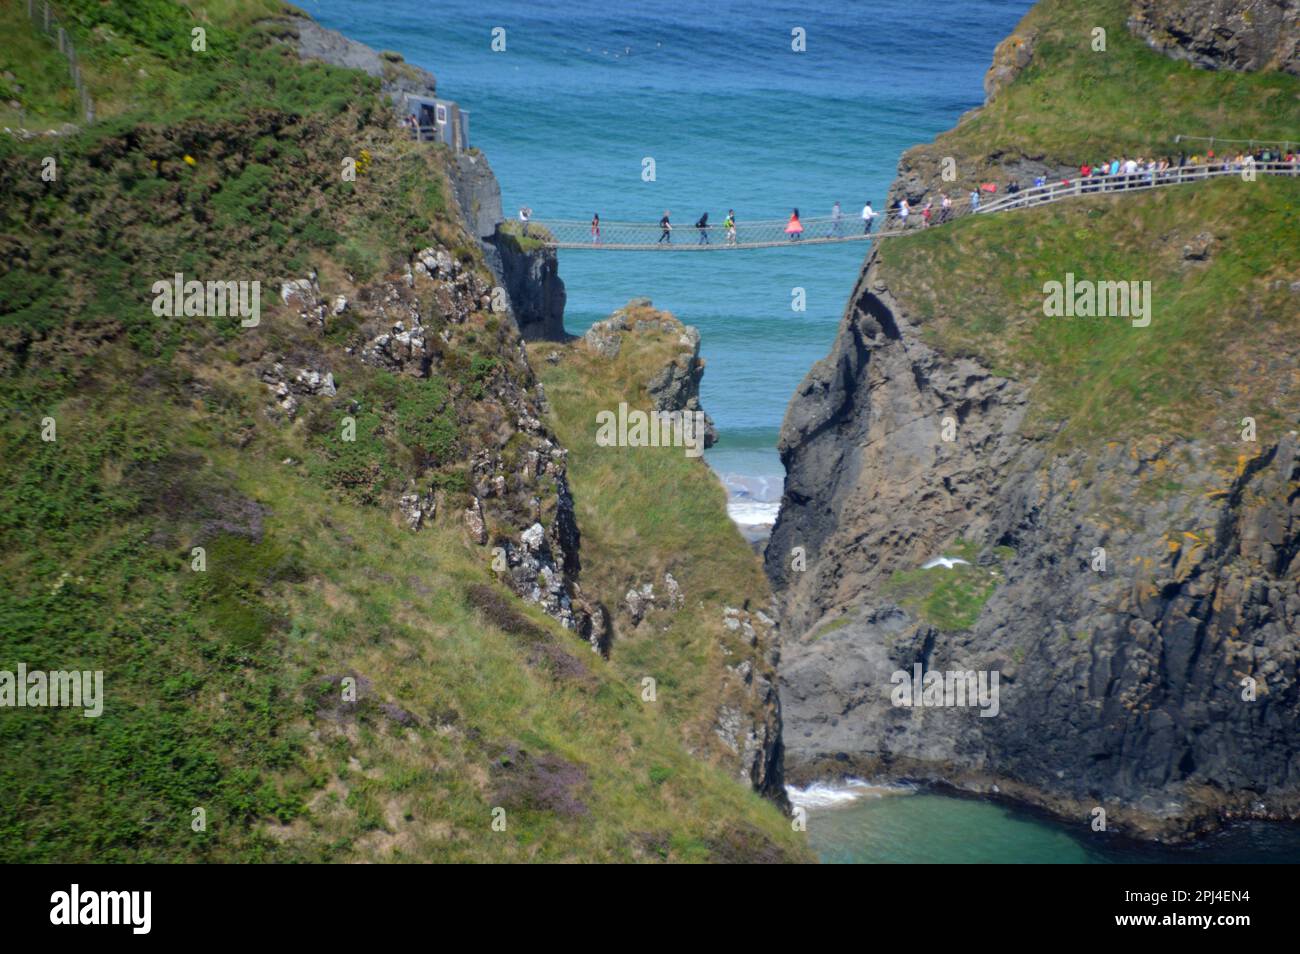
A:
x: 1221, y: 342
x: 327, y: 684
x: 1072, y: 102
x: 1222, y: 257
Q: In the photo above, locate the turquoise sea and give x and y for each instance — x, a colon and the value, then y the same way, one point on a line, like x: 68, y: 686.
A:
x: 734, y: 118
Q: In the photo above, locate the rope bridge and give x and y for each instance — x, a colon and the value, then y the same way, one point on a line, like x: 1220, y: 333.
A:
x: 822, y: 230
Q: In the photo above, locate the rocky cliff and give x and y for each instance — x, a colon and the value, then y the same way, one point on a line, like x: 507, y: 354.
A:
x: 1243, y: 35
x: 529, y: 275
x: 1130, y: 577
x: 1121, y: 687
x: 513, y: 495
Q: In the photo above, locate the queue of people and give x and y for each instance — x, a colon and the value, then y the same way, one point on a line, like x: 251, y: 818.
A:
x: 1118, y: 173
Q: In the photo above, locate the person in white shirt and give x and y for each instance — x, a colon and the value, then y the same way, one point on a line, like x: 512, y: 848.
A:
x: 868, y: 216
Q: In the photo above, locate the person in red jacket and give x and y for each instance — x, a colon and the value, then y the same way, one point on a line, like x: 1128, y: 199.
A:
x: 794, y: 228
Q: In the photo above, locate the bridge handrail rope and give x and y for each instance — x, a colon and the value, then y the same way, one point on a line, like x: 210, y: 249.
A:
x: 817, y: 230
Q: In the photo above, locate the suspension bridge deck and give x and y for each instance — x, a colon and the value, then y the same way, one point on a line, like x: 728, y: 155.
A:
x: 825, y: 230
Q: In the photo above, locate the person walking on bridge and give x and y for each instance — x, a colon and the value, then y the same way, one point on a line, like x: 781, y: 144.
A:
x: 595, y: 227
x: 667, y: 226
x: 868, y: 217
x: 794, y: 228
x: 729, y: 223
x: 836, y: 216
x: 703, y: 225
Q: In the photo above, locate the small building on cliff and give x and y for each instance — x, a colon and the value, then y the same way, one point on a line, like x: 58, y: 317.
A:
x: 437, y: 120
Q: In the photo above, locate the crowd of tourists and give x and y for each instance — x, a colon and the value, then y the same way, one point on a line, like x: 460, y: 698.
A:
x: 1116, y: 174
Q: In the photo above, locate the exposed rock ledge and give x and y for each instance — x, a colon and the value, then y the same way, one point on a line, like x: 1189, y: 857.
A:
x: 1244, y: 35
x: 676, y: 387
x: 535, y: 295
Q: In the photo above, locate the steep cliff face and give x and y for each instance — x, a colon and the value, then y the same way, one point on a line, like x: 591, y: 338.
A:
x: 513, y: 494
x: 1121, y: 687
x: 530, y: 275
x: 1121, y: 537
x: 1244, y: 35
x: 862, y: 439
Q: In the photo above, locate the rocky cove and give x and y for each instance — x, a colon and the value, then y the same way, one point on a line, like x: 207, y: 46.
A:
x: 1122, y: 689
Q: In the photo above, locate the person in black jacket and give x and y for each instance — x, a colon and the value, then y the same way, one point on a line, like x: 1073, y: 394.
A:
x: 703, y: 226
x: 667, y: 227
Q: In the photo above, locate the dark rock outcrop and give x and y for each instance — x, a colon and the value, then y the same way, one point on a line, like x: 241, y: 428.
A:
x: 478, y: 194
x: 1243, y: 35
x: 1144, y: 638
x: 534, y: 289
x: 862, y: 438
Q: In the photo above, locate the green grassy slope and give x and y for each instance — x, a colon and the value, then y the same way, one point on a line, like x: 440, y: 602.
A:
x: 1073, y: 103
x: 1222, y: 335
x: 650, y: 510
x: 224, y: 687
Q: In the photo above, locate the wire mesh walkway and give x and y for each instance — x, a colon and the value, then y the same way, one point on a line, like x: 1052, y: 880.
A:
x: 771, y: 233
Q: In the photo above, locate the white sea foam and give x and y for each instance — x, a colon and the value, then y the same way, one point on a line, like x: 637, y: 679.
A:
x: 753, y: 513
x: 839, y: 794
x: 753, y: 500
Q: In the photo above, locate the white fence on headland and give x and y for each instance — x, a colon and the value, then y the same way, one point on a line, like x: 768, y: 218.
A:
x: 1136, y: 182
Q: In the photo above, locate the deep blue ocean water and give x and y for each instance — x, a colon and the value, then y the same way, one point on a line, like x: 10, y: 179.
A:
x: 587, y: 89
